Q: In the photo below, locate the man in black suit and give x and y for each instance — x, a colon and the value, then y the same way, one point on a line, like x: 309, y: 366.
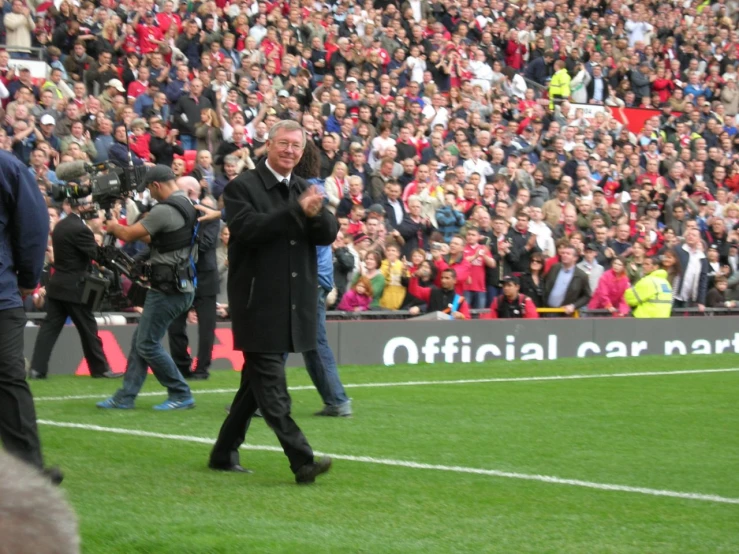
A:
x: 205, y: 294
x: 276, y: 220
x: 393, y: 203
x: 567, y: 286
x: 74, y: 251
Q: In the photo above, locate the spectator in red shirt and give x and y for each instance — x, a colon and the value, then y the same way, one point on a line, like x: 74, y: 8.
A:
x: 479, y: 258
x: 512, y: 304
x: 454, y: 260
x: 139, y: 141
x: 140, y: 85
x: 150, y: 36
x: 444, y: 299
x: 356, y: 217
x: 167, y: 17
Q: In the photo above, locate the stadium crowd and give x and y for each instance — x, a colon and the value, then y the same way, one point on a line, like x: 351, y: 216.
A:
x: 484, y: 136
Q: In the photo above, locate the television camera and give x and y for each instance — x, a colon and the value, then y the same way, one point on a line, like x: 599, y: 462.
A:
x: 106, y: 183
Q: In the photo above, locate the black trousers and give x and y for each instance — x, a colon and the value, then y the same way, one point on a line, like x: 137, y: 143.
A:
x: 57, y: 312
x: 205, y: 307
x: 18, y: 431
x: 263, y: 386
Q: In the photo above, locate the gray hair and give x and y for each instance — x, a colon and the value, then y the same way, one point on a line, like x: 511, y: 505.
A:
x: 287, y: 126
x: 189, y: 185
x: 230, y: 159
x: 35, y: 518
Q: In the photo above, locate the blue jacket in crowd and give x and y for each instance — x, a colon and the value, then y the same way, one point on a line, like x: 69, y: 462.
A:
x: 450, y: 221
x: 24, y: 231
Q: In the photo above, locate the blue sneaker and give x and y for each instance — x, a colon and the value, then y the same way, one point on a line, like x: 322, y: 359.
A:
x: 112, y: 404
x: 176, y: 405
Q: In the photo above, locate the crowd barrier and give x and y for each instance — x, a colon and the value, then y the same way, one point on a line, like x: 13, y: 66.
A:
x: 392, y: 342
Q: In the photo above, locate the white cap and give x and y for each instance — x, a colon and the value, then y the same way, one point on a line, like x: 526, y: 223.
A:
x: 48, y: 120
x: 283, y: 93
x: 352, y: 80
x: 116, y: 83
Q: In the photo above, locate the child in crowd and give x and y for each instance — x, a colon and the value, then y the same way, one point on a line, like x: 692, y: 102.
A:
x: 139, y: 141
x: 393, y: 270
x: 357, y: 299
x: 356, y: 220
x: 716, y: 297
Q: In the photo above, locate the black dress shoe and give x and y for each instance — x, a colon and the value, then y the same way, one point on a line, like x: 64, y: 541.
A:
x: 199, y: 376
x: 308, y: 473
x: 108, y: 375
x: 53, y: 474
x: 33, y: 374
x: 236, y: 468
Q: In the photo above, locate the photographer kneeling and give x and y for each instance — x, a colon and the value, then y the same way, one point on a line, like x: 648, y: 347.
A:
x: 169, y: 228
x: 75, y: 249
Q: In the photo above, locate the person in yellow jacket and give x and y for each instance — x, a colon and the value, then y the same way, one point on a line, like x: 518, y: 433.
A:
x: 651, y: 296
x: 559, y: 86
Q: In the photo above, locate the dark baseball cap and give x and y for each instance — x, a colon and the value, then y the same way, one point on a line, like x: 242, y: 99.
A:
x: 652, y: 206
x: 591, y: 246
x: 159, y: 174
x: 510, y: 279
x: 376, y: 209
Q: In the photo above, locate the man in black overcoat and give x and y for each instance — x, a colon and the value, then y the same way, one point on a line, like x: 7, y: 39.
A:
x: 276, y: 220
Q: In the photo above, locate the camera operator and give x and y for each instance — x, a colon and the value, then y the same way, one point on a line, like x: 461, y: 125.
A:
x: 205, y: 294
x: 169, y: 228
x: 75, y: 249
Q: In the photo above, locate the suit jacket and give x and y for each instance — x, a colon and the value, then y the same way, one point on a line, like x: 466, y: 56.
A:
x: 272, y: 274
x: 74, y: 249
x: 578, y: 293
x: 390, y: 213
x: 590, y: 87
x: 684, y: 257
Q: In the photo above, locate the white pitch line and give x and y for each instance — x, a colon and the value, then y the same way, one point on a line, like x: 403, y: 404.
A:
x: 415, y: 465
x: 423, y: 383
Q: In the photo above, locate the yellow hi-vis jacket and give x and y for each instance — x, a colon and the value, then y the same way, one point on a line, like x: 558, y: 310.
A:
x: 651, y: 296
x: 559, y: 86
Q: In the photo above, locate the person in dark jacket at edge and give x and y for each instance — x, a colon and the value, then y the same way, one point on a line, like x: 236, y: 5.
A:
x: 24, y: 235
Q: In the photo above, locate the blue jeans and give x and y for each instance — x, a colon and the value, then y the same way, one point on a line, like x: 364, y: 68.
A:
x: 475, y: 299
x: 189, y: 142
x: 321, y: 364
x: 160, y: 310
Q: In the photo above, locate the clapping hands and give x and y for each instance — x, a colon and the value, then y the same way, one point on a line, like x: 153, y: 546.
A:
x: 311, y: 201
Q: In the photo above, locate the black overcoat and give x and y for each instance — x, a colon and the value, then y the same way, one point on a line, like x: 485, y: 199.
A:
x: 272, y: 273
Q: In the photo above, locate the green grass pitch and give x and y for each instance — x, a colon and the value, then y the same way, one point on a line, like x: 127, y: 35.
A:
x: 676, y: 433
